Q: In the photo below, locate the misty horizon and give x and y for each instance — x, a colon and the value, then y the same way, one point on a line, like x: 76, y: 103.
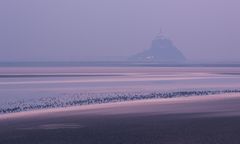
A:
x: 204, y: 31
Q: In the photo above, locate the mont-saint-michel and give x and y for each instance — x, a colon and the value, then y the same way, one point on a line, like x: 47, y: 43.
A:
x: 161, y: 50
x: 101, y: 72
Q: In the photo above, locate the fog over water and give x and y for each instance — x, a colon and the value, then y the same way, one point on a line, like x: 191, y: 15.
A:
x: 73, y: 30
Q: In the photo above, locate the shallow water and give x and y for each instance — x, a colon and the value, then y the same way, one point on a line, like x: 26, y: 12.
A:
x: 30, y: 85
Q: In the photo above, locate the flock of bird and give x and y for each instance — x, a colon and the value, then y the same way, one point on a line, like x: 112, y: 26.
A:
x: 67, y: 101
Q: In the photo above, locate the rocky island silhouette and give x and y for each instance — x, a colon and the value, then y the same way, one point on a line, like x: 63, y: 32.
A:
x: 162, y: 50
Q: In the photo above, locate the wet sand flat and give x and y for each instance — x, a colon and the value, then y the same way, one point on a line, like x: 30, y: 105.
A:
x: 27, y: 88
x: 193, y: 120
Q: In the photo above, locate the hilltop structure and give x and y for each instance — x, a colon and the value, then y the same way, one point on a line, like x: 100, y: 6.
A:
x: 162, y: 50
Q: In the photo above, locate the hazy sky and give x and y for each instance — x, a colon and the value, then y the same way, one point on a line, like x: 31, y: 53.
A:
x: 75, y: 29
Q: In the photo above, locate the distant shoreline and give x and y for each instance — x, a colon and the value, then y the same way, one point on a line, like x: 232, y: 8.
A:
x: 113, y: 64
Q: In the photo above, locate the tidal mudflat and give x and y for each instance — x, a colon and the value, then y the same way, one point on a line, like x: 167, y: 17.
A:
x: 213, y: 119
x: 26, y: 89
x: 120, y: 105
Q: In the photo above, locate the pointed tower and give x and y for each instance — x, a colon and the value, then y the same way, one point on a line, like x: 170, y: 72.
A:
x: 160, y: 35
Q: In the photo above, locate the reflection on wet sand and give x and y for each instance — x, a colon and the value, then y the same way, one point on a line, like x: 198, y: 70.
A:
x: 53, y: 126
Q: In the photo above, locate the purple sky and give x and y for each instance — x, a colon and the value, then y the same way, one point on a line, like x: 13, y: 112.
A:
x: 33, y: 30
